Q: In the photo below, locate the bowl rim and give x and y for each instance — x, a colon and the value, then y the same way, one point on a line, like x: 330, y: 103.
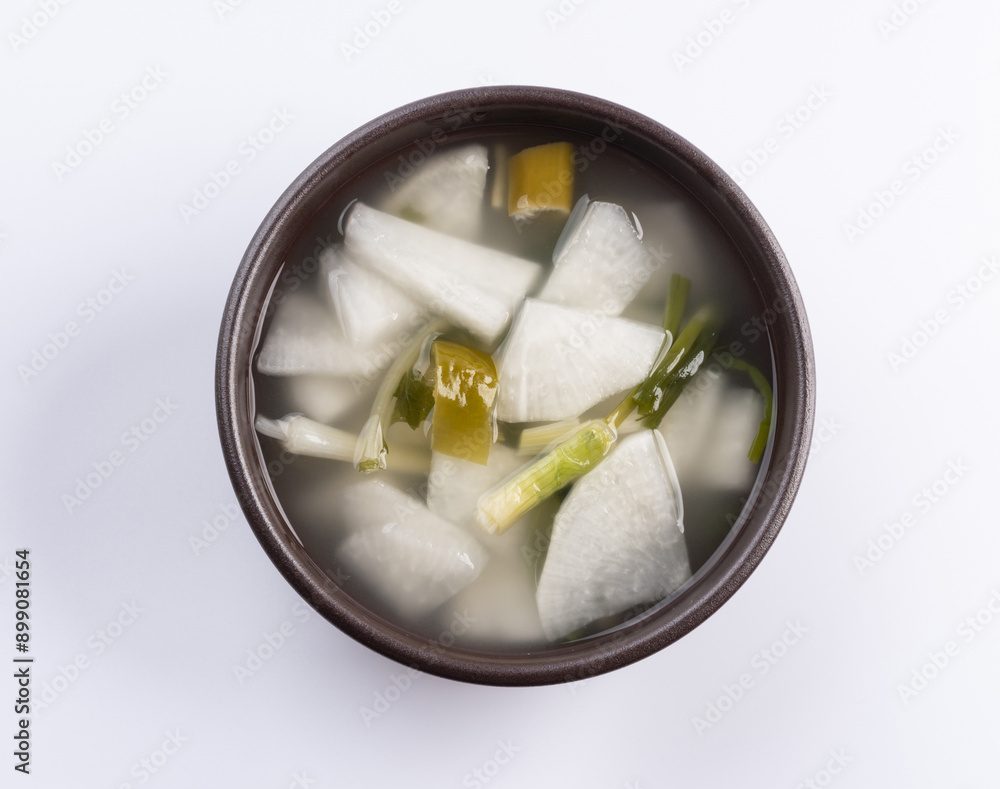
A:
x: 760, y: 520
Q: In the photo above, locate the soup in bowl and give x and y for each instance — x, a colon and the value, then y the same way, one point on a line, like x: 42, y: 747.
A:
x: 515, y: 385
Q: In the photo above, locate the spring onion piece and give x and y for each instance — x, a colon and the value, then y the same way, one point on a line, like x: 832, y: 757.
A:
x: 540, y: 179
x: 465, y: 390
x: 414, y: 399
x: 370, y: 450
x: 667, y: 392
x: 675, y: 368
x: 303, y: 436
x: 535, y: 439
x: 760, y: 440
x: 499, y: 509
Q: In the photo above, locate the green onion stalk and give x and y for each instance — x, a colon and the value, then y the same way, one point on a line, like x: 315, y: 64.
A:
x: 759, y: 444
x: 371, y: 449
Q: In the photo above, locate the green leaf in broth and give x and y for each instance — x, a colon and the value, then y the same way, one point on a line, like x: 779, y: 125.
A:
x: 414, y: 399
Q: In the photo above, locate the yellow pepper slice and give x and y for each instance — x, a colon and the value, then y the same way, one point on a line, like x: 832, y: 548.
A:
x: 465, y: 392
x: 541, y: 179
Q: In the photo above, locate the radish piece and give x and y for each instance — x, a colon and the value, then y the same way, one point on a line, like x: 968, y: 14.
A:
x: 600, y: 262
x: 411, y: 558
x: 501, y: 601
x: 445, y: 192
x: 559, y: 361
x: 372, y: 310
x: 305, y: 337
x: 326, y: 398
x: 617, y: 541
x: 474, y: 287
x: 710, y: 430
x: 455, y: 485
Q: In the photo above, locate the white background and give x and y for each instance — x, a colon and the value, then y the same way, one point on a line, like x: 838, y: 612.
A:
x: 887, y: 428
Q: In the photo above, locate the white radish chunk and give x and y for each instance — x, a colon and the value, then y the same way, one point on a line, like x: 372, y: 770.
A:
x: 326, y: 398
x: 617, y: 541
x: 455, y: 485
x: 372, y: 310
x: 411, y: 558
x: 501, y: 601
x: 600, y: 261
x: 445, y: 192
x: 710, y: 430
x: 558, y: 361
x: 474, y: 287
x: 305, y: 337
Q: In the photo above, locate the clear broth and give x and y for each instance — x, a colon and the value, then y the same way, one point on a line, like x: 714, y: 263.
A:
x: 678, y: 232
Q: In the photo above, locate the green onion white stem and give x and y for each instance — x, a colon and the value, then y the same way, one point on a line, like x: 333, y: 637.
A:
x: 303, y: 436
x: 370, y: 450
x: 585, y: 448
x: 536, y: 439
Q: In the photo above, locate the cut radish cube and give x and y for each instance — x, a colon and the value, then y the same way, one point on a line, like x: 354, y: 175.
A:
x: 474, y: 287
x: 600, y: 261
x: 617, y: 541
x: 710, y: 430
x: 455, y: 485
x: 445, y: 192
x: 559, y: 361
x: 305, y: 337
x: 372, y: 310
x: 409, y: 557
x: 501, y: 601
x: 326, y: 398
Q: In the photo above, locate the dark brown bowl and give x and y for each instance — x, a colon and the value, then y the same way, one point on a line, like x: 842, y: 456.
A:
x: 794, y: 379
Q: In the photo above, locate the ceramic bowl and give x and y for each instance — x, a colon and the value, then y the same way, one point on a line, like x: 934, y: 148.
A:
x: 454, y: 116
